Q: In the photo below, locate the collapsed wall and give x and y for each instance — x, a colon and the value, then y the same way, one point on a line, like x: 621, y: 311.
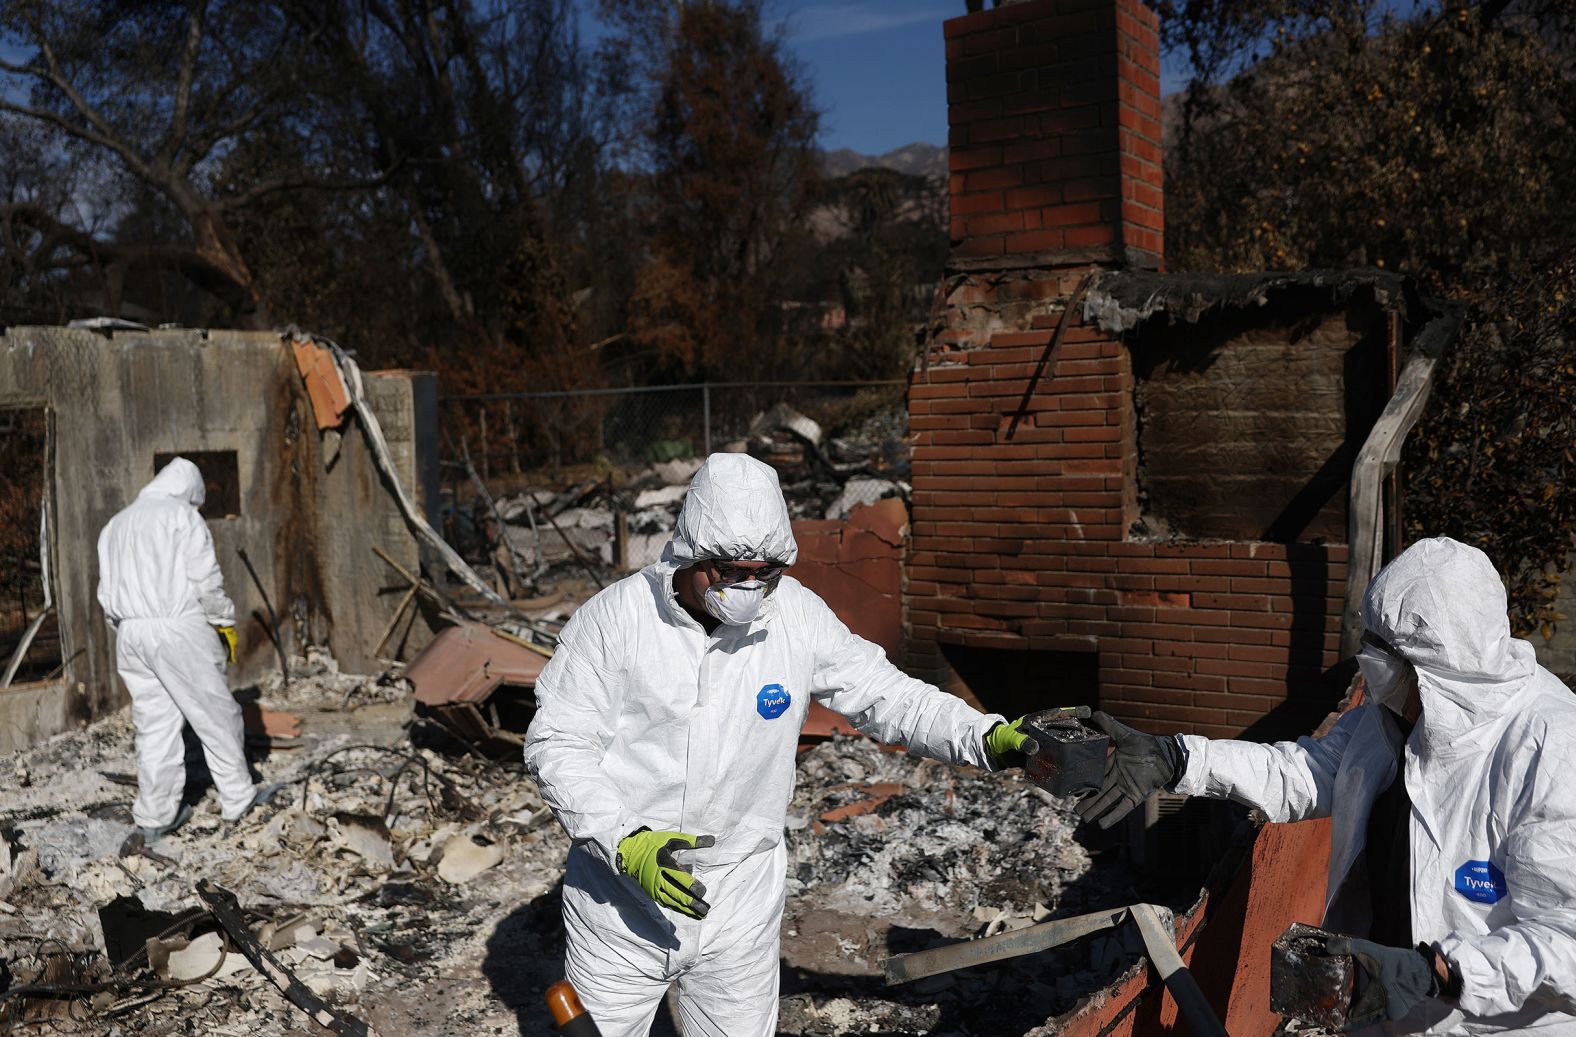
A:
x: 1139, y: 506
x: 306, y: 510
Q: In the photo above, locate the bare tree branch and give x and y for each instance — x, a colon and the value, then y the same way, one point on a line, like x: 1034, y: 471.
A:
x: 440, y: 269
x: 202, y: 140
x: 106, y: 135
x: 45, y: 115
x: 263, y: 188
x: 183, y: 87
x: 197, y: 268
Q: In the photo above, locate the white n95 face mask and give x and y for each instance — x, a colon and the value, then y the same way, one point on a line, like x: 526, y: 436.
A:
x: 736, y: 604
x: 1388, y: 676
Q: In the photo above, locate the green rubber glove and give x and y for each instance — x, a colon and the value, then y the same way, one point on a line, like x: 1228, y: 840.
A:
x: 1005, y: 740
x: 648, y: 858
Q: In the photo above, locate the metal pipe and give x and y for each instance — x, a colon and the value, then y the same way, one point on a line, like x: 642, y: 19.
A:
x: 624, y: 390
x: 273, y: 620
x: 49, y: 599
x: 705, y: 406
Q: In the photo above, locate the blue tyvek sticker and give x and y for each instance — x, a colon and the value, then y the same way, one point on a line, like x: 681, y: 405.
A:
x: 773, y: 701
x: 1481, y: 881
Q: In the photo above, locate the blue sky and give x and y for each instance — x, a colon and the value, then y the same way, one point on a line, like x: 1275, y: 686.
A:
x: 877, y: 67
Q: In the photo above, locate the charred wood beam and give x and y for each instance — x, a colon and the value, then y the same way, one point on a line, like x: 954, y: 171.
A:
x: 227, y: 912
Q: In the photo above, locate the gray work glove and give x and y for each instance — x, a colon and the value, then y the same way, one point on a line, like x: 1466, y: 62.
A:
x: 1398, y: 978
x: 1139, y: 766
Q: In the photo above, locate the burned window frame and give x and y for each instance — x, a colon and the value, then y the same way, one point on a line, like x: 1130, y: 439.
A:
x: 11, y: 662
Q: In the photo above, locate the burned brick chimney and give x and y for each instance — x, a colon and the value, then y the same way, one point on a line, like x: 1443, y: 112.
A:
x: 1053, y: 111
x: 1037, y: 573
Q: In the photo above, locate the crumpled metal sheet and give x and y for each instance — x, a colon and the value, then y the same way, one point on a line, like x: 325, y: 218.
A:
x: 467, y: 663
x: 1120, y: 300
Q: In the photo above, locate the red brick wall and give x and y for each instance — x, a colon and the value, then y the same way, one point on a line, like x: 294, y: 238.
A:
x: 1054, y: 116
x: 1021, y: 542
x: 1019, y: 535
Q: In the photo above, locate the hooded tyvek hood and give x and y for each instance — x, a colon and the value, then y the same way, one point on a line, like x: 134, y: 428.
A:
x: 1491, y: 833
x: 179, y: 479
x: 156, y: 557
x: 1441, y: 604
x: 735, y: 510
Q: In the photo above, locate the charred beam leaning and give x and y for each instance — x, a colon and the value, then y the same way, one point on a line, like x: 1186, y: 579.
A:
x: 226, y: 911
x: 1379, y: 456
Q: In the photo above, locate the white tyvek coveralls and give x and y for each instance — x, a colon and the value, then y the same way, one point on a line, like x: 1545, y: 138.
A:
x: 644, y: 719
x: 162, y: 592
x: 1491, y: 771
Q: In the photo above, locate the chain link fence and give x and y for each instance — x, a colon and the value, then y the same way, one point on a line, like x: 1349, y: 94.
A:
x: 516, y: 433
x: 592, y: 481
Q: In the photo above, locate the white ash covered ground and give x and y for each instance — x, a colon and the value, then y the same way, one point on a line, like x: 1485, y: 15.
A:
x: 420, y: 892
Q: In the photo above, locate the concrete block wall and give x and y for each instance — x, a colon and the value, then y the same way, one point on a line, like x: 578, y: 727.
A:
x: 357, y: 511
x: 311, y: 507
x: 1054, y: 131
x: 1023, y: 508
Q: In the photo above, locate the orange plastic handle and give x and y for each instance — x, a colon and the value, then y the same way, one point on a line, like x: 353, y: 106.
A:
x: 564, y: 1003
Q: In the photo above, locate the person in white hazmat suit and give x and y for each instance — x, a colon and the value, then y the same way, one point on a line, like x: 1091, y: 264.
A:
x: 668, y: 722
x: 1452, y: 792
x: 163, y: 595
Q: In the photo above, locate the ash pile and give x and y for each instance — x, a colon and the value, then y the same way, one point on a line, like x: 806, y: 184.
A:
x: 379, y: 871
x: 889, y: 854
x: 418, y: 891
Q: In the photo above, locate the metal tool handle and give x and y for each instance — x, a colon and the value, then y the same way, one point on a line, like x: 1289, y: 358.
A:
x: 1160, y: 945
x: 569, y: 1015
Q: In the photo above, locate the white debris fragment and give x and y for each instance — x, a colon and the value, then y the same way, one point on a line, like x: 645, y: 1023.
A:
x: 464, y: 858
x: 782, y: 416
x: 679, y: 471
x: 857, y: 491
x: 365, y: 836
x: 198, y: 958
x: 660, y: 497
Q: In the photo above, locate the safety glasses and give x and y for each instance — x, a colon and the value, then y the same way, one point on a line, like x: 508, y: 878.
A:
x: 728, y: 572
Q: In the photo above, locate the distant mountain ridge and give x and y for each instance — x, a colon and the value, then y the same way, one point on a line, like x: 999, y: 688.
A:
x: 917, y: 159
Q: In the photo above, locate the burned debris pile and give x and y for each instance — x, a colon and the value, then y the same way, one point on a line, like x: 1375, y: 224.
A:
x: 574, y: 535
x: 889, y: 853
x: 360, y: 878
x: 413, y: 890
